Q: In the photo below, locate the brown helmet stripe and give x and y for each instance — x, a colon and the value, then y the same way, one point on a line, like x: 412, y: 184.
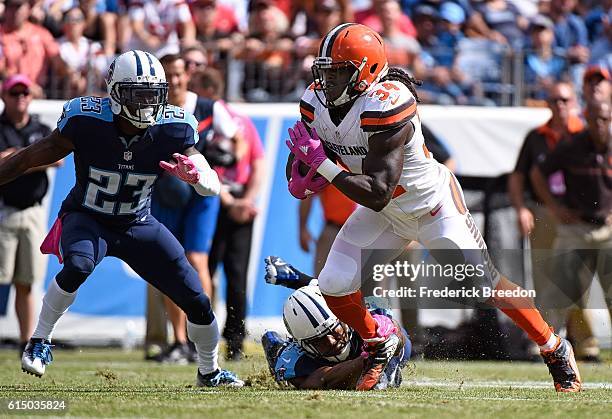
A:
x: 328, y: 42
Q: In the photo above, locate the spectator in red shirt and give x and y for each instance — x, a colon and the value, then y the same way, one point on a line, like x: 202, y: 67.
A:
x: 370, y: 17
x: 216, y: 27
x: 327, y: 14
x: 402, y: 50
x: 267, y: 52
x: 27, y: 48
x: 308, y: 9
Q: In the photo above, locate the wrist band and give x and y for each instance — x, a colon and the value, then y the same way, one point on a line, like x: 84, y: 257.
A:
x: 329, y: 170
x: 209, y: 184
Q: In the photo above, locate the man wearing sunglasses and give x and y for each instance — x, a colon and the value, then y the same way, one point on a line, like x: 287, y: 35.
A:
x: 535, y: 221
x: 583, y: 243
x: 321, y: 352
x: 22, y: 217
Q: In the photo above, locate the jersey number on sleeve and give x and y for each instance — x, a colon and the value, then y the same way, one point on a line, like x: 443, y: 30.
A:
x: 174, y: 113
x: 382, y: 93
x: 109, y: 183
x: 91, y: 104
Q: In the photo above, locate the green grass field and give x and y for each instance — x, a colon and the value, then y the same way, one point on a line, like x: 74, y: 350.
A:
x: 112, y: 383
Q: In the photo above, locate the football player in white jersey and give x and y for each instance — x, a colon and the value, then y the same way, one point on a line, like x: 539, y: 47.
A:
x: 365, y: 113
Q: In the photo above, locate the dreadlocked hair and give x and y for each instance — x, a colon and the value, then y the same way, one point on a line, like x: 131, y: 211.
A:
x: 398, y: 74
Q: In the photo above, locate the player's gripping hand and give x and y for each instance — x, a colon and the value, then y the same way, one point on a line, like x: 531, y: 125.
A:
x: 306, y: 147
x: 302, y: 186
x: 183, y: 169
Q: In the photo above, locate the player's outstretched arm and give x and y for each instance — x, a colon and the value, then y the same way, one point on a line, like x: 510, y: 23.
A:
x: 43, y: 152
x: 193, y: 168
x: 342, y: 376
x: 381, y: 167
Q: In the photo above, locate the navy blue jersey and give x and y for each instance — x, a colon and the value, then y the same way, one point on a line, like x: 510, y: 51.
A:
x: 115, y: 173
x: 203, y: 112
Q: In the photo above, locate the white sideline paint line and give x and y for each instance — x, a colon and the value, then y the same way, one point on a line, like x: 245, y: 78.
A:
x: 384, y: 395
x: 272, y: 141
x: 499, y: 384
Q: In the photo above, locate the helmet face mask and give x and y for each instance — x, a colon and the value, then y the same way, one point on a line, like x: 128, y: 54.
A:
x: 137, y: 87
x: 334, y: 82
x: 142, y: 103
x: 330, y: 345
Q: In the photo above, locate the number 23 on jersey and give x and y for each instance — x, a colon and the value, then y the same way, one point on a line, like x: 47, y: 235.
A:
x: 110, y: 183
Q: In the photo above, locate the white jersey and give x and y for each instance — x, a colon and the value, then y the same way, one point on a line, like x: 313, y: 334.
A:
x: 385, y: 106
x: 160, y: 18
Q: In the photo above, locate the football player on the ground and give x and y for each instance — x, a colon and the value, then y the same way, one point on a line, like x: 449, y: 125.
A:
x: 366, y: 114
x: 322, y: 352
x: 121, y: 144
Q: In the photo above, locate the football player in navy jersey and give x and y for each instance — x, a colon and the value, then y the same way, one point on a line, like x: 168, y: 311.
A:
x: 121, y: 144
x: 322, y: 352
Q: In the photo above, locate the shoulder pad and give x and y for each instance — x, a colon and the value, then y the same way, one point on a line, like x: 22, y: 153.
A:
x: 387, y: 105
x: 86, y: 106
x: 307, y: 104
x: 179, y: 125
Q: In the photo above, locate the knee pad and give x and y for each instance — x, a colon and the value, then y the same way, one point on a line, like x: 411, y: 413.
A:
x: 340, y: 275
x: 198, y: 309
x: 76, y: 270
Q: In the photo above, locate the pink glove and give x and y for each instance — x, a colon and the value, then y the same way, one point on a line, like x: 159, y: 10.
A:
x: 302, y: 186
x: 386, y: 327
x: 306, y: 147
x: 184, y: 169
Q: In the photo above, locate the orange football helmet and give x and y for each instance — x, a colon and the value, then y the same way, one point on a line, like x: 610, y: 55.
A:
x: 351, y: 59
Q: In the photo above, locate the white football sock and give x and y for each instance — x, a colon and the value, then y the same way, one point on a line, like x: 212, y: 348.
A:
x: 550, y: 344
x: 206, y: 340
x: 55, y: 304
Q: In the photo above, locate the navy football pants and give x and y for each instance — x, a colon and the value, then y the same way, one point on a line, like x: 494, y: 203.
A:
x: 146, y: 246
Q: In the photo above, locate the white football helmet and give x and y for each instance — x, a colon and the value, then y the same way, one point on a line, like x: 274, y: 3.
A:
x: 136, y: 84
x: 309, y: 320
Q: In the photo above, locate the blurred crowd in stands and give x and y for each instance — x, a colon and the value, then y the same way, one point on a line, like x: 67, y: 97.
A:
x: 466, y: 52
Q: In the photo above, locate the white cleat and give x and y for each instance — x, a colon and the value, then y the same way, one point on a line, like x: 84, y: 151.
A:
x: 36, y: 356
x: 219, y: 378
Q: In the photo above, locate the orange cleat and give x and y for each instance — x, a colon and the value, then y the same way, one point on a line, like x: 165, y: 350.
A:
x: 379, y: 352
x: 562, y: 366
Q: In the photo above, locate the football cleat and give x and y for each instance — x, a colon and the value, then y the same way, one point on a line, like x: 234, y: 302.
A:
x: 562, y: 366
x: 392, y: 375
x: 178, y: 353
x: 219, y: 378
x: 272, y: 344
x: 36, y: 356
x: 279, y: 272
x: 378, y: 357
